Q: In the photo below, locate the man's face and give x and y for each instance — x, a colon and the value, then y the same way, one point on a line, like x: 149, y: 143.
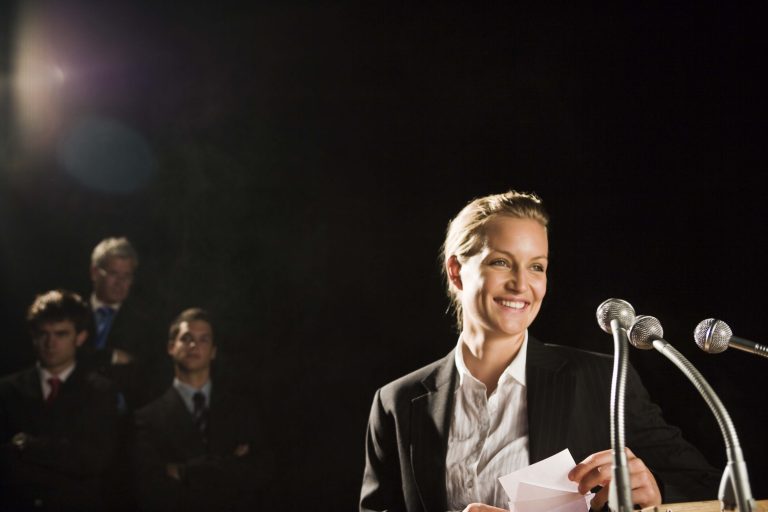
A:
x: 112, y: 281
x: 193, y: 349
x: 56, y: 344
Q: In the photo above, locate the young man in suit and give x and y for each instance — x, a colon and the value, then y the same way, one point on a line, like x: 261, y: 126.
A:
x: 57, y: 422
x: 195, y: 443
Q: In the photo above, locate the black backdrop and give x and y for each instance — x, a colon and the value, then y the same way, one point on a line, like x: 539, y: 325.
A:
x: 306, y: 157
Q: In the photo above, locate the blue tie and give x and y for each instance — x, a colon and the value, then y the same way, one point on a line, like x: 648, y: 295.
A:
x: 104, y: 317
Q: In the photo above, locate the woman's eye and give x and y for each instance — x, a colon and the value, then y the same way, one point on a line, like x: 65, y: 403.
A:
x: 538, y: 267
x: 499, y: 263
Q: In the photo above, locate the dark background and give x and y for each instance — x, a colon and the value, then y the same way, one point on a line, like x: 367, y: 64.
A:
x: 292, y: 167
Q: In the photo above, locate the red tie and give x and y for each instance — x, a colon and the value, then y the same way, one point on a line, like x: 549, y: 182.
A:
x: 55, y: 384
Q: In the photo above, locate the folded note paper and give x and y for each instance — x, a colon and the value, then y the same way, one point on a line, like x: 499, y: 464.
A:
x: 544, y: 487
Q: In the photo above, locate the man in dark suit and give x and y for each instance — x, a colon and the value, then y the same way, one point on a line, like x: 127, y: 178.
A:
x: 568, y: 395
x: 195, y: 444
x: 57, y: 422
x: 122, y: 333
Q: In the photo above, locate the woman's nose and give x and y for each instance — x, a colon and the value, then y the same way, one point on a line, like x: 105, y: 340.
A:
x: 517, y: 280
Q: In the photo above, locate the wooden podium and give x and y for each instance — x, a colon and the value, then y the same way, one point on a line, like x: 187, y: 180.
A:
x: 697, y: 506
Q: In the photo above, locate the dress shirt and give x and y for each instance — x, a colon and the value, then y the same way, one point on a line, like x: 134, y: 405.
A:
x: 96, y: 304
x: 488, y: 437
x: 187, y: 393
x: 45, y: 375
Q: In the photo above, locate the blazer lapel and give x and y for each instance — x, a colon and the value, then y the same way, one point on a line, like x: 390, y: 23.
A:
x: 549, y: 392
x: 186, y: 439
x: 430, y: 422
x: 29, y: 384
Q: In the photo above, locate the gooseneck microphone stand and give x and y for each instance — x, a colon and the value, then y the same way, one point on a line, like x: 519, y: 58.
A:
x: 615, y: 316
x: 734, y: 492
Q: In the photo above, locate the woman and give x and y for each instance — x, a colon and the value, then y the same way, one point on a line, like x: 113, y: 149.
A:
x: 439, y: 438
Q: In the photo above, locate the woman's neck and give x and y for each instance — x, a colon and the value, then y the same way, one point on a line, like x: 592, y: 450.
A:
x: 486, y: 357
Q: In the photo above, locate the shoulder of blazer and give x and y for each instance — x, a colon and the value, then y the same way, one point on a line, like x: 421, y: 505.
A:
x: 166, y: 404
x: 556, y: 356
x: 420, y: 382
x: 25, y: 382
x: 85, y: 377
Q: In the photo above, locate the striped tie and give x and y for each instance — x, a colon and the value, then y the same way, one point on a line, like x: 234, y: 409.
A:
x: 201, y: 414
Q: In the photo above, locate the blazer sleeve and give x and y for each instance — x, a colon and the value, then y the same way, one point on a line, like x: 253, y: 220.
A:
x: 382, y: 485
x: 155, y: 489
x: 86, y: 448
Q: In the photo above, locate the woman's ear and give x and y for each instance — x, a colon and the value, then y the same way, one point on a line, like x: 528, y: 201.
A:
x: 453, y: 269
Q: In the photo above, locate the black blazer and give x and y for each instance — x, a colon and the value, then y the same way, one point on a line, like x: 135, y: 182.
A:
x: 70, y: 445
x: 568, y: 393
x: 214, y: 479
x: 135, y: 331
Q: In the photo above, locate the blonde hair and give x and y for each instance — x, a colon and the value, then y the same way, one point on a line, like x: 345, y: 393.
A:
x: 465, y: 235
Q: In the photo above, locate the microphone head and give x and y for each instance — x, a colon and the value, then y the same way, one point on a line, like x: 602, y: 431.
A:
x: 615, y: 309
x: 712, y: 335
x: 644, y: 331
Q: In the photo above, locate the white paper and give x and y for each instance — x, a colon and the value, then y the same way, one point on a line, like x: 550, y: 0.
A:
x: 544, y: 487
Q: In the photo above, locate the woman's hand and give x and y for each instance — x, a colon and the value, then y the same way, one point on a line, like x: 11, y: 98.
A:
x: 479, y: 507
x: 596, y: 470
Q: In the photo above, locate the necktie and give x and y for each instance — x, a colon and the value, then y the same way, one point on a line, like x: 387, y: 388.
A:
x: 55, y: 384
x: 104, y: 317
x: 200, y: 413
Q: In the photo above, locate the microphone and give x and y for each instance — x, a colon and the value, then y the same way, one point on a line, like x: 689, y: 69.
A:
x: 646, y: 333
x: 615, y: 316
x: 714, y: 336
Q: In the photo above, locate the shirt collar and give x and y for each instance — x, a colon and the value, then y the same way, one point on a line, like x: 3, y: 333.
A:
x: 96, y: 304
x: 62, y: 376
x: 187, y: 392
x: 515, y: 370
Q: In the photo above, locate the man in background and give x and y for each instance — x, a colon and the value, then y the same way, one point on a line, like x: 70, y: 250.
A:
x: 195, y: 445
x: 120, y: 347
x: 57, y: 421
x: 121, y: 334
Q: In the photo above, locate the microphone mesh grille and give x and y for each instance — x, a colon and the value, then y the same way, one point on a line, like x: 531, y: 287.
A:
x: 644, y: 331
x: 615, y: 308
x: 712, y: 335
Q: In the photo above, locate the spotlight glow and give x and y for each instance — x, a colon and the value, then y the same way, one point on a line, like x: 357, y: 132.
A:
x: 36, y: 81
x: 106, y: 155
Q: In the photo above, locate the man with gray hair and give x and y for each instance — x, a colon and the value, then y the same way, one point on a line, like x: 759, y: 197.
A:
x: 121, y: 331
x: 113, y: 263
x: 120, y: 347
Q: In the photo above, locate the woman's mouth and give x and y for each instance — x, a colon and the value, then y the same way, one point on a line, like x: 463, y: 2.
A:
x: 512, y: 304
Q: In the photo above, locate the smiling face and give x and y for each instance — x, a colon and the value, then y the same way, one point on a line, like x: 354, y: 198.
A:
x: 502, y: 286
x: 56, y: 344
x: 192, y: 350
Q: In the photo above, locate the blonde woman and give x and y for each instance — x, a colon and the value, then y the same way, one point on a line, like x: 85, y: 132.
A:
x: 439, y: 438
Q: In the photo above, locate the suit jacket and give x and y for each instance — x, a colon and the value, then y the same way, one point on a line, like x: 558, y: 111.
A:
x: 213, y: 478
x: 568, y: 393
x: 134, y: 331
x: 70, y: 442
